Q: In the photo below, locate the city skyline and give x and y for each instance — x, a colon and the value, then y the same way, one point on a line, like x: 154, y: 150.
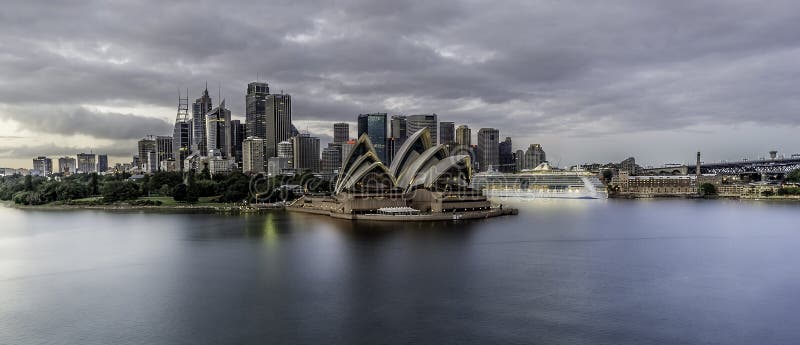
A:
x: 592, y: 90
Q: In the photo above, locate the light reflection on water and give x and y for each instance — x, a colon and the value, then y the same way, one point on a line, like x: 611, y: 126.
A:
x: 563, y: 271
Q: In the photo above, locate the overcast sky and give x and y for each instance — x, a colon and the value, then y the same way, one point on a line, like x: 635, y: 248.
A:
x: 590, y: 81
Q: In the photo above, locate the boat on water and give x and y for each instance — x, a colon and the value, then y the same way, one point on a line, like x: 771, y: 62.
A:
x: 540, y: 182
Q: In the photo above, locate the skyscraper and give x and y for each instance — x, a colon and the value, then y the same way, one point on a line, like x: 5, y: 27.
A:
x: 238, y: 130
x: 43, y: 165
x: 256, y: 109
x: 218, y: 131
x: 463, y: 140
x: 306, y: 153
x: 164, y: 146
x: 398, y: 133
x: 87, y: 163
x: 102, y: 163
x: 488, y: 150
x: 341, y: 132
x: 279, y: 121
x: 374, y: 125
x: 417, y: 122
x: 447, y: 133
x: 200, y: 107
x: 146, y: 145
x: 534, y: 156
x: 67, y: 165
x: 253, y: 155
x: 331, y: 158
x: 506, y: 156
x: 182, y: 132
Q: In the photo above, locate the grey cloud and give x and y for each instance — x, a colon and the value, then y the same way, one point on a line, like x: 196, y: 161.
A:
x: 528, y: 67
x: 84, y: 121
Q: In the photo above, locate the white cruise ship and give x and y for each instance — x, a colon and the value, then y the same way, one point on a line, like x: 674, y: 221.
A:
x: 541, y: 182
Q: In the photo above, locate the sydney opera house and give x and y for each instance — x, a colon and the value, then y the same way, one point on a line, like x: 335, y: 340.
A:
x: 422, y: 179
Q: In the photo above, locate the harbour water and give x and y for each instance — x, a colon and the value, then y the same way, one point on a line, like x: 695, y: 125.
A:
x: 561, y: 272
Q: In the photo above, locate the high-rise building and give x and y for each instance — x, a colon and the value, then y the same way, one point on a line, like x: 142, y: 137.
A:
x: 67, y: 165
x: 43, y: 165
x: 253, y: 155
x: 374, y: 125
x: 534, y: 156
x: 87, y: 163
x: 102, y: 163
x: 218, y: 131
x: 331, y: 158
x: 306, y: 153
x: 346, y: 148
x: 285, y: 149
x: 463, y: 140
x: 152, y: 164
x: 238, y: 130
x: 164, y: 146
x: 146, y: 145
x: 488, y: 151
x: 182, y: 132
x: 447, y: 133
x: 416, y: 122
x: 341, y: 132
x: 200, y: 108
x: 278, y: 108
x: 519, y: 158
x: 398, y: 133
x: 256, y: 109
x: 506, y: 156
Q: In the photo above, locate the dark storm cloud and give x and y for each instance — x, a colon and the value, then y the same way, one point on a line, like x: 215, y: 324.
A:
x: 87, y: 122
x: 588, y: 68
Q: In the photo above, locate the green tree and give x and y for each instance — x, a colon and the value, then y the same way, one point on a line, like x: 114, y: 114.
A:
x: 161, y: 178
x: 607, y: 175
x: 708, y: 189
x: 180, y: 192
x: 191, y: 188
x: 29, y: 183
x: 120, y: 190
x: 794, y: 176
x: 767, y: 193
x: 94, y: 184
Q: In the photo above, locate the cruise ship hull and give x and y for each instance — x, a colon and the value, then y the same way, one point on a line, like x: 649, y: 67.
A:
x: 529, y: 195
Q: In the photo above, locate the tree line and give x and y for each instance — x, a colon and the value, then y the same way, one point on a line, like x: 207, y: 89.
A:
x: 186, y: 187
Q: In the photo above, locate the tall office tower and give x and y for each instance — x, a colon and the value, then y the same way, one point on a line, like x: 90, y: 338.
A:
x: 253, y: 155
x: 306, y: 153
x: 200, y: 108
x: 534, y: 156
x: 416, y: 122
x: 86, y: 163
x: 164, y: 146
x: 102, y: 163
x: 463, y: 141
x: 286, y: 151
x: 374, y: 125
x: 331, y: 158
x: 67, y: 165
x: 279, y: 121
x: 256, y: 109
x: 506, y: 156
x: 238, y: 130
x: 447, y: 133
x: 218, y: 131
x: 488, y: 151
x: 341, y: 132
x: 346, y: 148
x: 151, y: 164
x: 398, y: 133
x: 182, y: 132
x: 43, y: 165
x: 519, y: 158
x: 146, y: 145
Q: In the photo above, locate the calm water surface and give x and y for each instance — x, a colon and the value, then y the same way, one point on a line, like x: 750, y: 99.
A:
x: 562, y: 272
